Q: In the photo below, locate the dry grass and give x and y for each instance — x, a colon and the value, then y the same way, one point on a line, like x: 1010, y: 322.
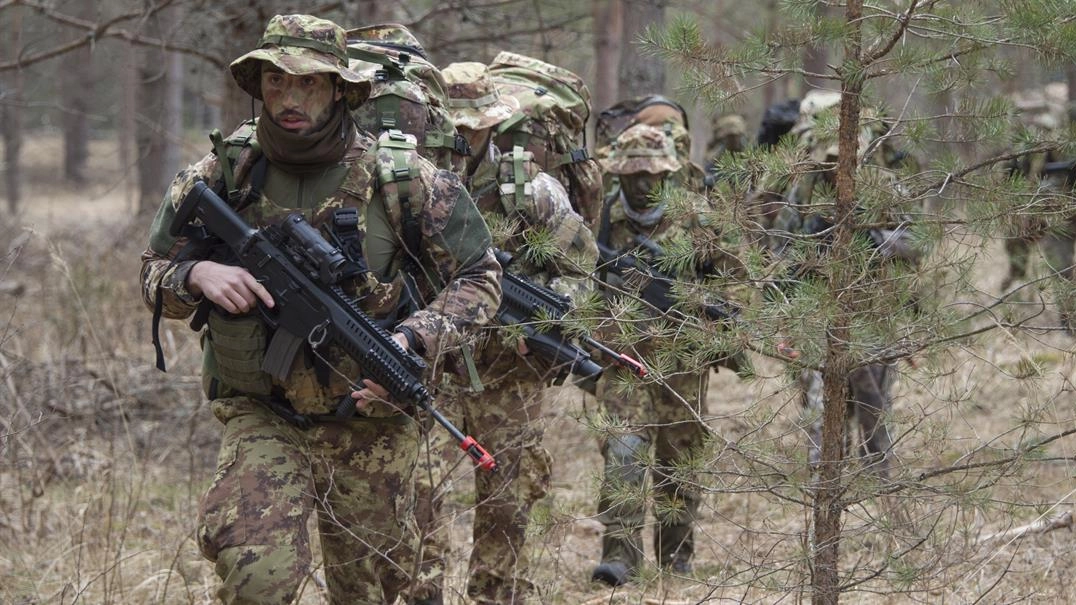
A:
x: 103, y: 459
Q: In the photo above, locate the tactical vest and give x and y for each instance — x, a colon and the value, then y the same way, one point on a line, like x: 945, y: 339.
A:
x: 234, y: 347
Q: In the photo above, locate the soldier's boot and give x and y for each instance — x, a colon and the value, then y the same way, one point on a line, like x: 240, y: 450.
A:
x: 621, y: 507
x: 622, y: 552
x: 675, y: 546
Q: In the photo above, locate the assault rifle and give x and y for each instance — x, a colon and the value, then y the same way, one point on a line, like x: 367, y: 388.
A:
x: 1062, y: 166
x: 301, y: 270
x: 657, y: 290
x: 526, y: 303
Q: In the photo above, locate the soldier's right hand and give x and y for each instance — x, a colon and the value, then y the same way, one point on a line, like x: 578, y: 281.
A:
x: 232, y: 288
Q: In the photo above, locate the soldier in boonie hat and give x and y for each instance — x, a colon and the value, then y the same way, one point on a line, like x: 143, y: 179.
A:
x: 473, y: 99
x: 476, y: 107
x: 641, y: 148
x: 300, y: 45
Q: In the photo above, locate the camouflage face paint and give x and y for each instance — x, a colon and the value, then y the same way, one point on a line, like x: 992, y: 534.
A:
x: 640, y: 188
x: 301, y: 104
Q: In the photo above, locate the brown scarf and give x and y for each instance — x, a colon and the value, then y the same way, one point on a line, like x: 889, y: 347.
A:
x: 306, y: 153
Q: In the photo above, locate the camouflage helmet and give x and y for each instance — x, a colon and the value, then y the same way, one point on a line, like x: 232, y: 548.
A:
x: 729, y: 125
x: 473, y: 99
x: 300, y: 45
x: 641, y: 148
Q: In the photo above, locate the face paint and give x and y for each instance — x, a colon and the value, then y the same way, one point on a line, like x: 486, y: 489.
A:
x: 301, y: 104
x: 639, y: 188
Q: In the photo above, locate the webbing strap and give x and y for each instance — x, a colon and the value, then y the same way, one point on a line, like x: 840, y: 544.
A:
x: 221, y: 150
x: 318, y: 45
x: 401, y: 175
x: 519, y: 177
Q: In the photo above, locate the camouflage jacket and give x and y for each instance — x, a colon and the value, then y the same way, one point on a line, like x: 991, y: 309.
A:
x: 688, y: 224
x: 461, y: 285
x: 530, y: 219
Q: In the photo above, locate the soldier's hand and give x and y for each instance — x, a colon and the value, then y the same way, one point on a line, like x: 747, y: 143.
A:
x: 372, y: 391
x: 232, y: 288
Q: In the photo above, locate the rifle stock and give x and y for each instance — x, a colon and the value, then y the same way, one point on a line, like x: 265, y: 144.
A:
x: 300, y: 269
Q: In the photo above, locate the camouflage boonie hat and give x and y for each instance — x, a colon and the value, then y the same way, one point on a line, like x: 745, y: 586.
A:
x: 473, y: 99
x: 388, y: 35
x: 641, y: 148
x: 300, y: 45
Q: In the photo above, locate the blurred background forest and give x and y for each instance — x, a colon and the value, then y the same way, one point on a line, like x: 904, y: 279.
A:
x: 152, y: 79
x: 103, y: 458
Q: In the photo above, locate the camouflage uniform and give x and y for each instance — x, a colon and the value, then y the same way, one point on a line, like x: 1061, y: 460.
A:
x: 651, y: 421
x: 506, y: 415
x: 1043, y: 113
x: 730, y: 137
x: 869, y: 387
x: 356, y: 474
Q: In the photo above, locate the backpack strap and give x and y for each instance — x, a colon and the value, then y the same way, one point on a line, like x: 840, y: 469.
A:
x: 515, y: 192
x: 400, y: 174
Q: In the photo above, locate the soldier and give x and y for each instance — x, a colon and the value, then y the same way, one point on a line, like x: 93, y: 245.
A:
x: 869, y: 386
x: 656, y: 421
x: 1043, y: 114
x: 730, y: 137
x: 355, y: 473
x: 532, y: 219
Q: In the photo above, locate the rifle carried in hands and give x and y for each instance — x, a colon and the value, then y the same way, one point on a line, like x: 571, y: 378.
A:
x: 657, y: 291
x: 526, y: 304
x: 302, y: 272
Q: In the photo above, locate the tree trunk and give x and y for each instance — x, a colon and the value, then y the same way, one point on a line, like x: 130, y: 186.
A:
x: 770, y: 91
x: 77, y: 87
x: 245, y: 22
x: 828, y: 505
x: 172, y: 120
x: 608, y: 26
x: 155, y: 136
x: 11, y: 117
x: 127, y: 124
x: 640, y: 74
x: 815, y: 59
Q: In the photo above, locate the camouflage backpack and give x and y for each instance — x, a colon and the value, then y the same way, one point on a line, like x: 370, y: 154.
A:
x: 407, y: 93
x: 653, y: 110
x: 551, y: 124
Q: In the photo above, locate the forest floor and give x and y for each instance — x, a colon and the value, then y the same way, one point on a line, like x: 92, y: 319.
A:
x: 103, y: 458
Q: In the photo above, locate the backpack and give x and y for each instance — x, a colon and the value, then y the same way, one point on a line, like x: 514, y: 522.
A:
x: 407, y: 94
x: 653, y: 110
x: 778, y: 121
x: 554, y: 106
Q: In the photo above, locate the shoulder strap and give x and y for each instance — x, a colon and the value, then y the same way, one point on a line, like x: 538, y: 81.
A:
x: 400, y: 174
x: 514, y: 192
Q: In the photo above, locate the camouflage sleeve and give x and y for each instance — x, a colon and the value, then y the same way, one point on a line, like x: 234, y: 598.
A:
x: 575, y: 253
x: 457, y: 244
x: 159, y: 272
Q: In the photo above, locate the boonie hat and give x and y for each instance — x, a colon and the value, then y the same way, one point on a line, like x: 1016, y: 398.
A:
x: 473, y: 99
x: 300, y: 45
x: 641, y: 148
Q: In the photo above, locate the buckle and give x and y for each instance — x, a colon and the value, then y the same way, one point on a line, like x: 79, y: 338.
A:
x: 460, y: 145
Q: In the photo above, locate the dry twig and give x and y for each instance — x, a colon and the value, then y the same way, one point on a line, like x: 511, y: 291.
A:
x: 1040, y: 526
